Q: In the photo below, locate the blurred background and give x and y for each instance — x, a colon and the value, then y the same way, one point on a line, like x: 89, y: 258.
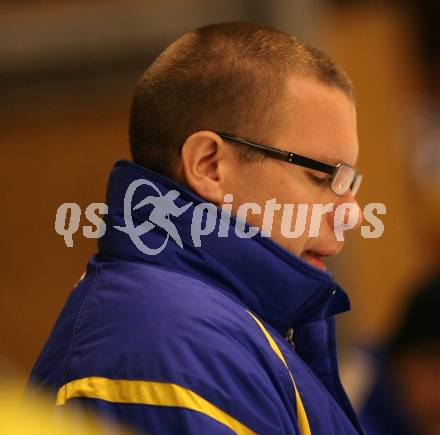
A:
x: 67, y: 73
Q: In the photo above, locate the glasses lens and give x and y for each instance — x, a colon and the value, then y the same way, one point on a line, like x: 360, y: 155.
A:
x: 356, y: 184
x: 343, y: 180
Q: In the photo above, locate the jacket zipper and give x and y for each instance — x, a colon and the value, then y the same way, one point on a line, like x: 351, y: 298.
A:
x: 289, y: 337
x: 291, y: 331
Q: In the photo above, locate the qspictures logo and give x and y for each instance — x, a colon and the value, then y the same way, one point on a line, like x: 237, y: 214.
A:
x: 205, y: 219
x: 163, y: 208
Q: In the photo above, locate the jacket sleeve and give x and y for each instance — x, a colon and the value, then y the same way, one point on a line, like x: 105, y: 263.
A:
x: 150, y: 419
x: 206, y: 383
x: 199, y: 407
x: 178, y: 365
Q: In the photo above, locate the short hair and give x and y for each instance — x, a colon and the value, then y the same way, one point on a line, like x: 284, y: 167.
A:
x: 226, y: 77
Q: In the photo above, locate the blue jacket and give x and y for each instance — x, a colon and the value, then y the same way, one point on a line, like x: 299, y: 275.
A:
x: 192, y: 340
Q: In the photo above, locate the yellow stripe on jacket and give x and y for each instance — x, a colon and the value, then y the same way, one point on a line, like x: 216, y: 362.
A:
x: 303, y: 421
x: 146, y: 393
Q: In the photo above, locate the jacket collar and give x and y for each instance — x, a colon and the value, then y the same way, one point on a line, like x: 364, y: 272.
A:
x: 279, y: 287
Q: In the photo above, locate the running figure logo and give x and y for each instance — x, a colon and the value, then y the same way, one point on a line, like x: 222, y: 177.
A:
x: 164, y: 207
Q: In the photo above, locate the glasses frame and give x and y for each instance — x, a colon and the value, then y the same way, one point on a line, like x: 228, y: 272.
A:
x: 296, y: 159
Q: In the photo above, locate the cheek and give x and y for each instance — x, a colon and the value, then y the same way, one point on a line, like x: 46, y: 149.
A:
x: 290, y: 228
x: 250, y: 187
x: 260, y: 182
x: 257, y: 185
x: 300, y: 222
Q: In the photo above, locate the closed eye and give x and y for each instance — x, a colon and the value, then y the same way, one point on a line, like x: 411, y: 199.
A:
x: 318, y: 180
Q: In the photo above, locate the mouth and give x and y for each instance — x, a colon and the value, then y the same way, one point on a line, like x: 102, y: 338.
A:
x: 315, y: 258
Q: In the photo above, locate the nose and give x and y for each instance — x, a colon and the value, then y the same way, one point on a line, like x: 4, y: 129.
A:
x: 348, y: 198
x: 352, y: 200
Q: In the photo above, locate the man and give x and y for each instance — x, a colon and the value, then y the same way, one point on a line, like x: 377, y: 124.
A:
x: 192, y: 338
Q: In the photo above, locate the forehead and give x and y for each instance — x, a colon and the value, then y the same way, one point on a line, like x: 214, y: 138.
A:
x: 318, y: 121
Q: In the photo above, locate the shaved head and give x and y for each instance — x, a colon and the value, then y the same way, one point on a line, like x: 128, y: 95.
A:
x: 228, y: 77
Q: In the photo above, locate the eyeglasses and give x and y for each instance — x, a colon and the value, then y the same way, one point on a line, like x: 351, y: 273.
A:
x: 343, y: 177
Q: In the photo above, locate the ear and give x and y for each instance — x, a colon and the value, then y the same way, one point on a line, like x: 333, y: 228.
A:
x: 204, y: 160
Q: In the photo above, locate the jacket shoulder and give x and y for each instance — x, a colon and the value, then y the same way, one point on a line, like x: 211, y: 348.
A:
x: 149, y: 323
